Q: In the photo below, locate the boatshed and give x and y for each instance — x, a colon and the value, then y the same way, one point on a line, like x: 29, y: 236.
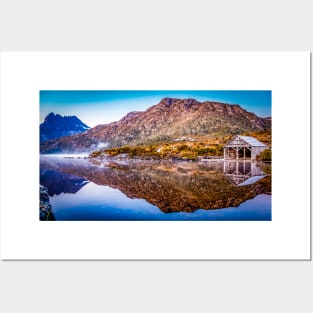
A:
x: 243, y: 148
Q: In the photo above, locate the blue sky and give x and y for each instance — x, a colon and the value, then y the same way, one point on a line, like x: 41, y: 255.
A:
x: 96, y: 107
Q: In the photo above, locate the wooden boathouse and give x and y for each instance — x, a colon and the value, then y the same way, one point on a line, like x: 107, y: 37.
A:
x: 243, y: 148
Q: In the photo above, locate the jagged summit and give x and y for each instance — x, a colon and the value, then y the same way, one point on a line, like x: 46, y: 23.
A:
x: 50, y: 117
x: 56, y: 126
x: 174, y: 101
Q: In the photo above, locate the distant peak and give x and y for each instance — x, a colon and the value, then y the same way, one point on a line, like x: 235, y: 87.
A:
x: 50, y: 117
x: 57, y: 118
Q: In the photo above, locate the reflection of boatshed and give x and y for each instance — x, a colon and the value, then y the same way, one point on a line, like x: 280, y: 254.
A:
x: 243, y: 173
x: 243, y: 147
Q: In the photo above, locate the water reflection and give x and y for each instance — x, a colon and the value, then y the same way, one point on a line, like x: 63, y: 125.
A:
x: 171, y: 187
x: 58, y: 182
x: 243, y: 173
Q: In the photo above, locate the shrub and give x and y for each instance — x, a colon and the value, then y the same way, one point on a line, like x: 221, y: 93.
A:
x: 202, y: 151
x: 182, y: 147
x: 189, y: 155
x: 95, y: 154
x: 266, y: 155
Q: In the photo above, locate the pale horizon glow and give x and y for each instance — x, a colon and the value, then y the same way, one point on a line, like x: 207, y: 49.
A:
x: 103, y: 107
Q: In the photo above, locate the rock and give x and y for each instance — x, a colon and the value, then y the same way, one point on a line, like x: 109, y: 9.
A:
x: 45, y: 208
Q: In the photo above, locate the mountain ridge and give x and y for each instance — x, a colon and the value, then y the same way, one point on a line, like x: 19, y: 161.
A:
x: 169, y: 119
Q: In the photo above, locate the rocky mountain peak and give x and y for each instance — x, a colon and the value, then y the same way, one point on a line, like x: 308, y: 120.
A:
x: 56, y: 126
x: 51, y: 117
x: 176, y: 101
x: 168, y: 101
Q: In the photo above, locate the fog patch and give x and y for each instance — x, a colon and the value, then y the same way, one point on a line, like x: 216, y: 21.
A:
x: 102, y: 145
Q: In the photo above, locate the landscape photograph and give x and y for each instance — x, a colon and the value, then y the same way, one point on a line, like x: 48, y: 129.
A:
x: 155, y: 155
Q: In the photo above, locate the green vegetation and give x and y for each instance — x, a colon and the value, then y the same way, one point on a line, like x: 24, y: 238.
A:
x: 265, y: 155
x: 191, y: 149
x: 95, y: 154
x: 169, y: 150
x: 267, y: 168
x: 116, y: 151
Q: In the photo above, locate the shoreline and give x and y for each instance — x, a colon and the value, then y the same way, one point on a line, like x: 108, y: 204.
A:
x: 126, y: 159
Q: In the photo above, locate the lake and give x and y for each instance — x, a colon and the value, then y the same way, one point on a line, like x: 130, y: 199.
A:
x: 135, y: 190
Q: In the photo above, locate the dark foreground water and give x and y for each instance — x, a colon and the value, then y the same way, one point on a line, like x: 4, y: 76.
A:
x: 140, y: 190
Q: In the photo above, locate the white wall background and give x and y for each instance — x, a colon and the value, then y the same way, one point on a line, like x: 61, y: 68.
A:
x: 242, y: 286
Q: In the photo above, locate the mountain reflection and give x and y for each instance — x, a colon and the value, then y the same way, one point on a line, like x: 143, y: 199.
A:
x: 58, y: 181
x: 173, y: 187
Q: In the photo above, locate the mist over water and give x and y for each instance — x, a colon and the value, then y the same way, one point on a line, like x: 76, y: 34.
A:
x: 64, y: 155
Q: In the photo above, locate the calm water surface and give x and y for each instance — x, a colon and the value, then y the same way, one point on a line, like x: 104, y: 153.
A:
x: 155, y: 190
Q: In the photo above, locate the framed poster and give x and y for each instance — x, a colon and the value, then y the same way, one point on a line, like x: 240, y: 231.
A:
x: 155, y: 155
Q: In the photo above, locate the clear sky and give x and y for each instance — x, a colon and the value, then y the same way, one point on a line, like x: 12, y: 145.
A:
x: 94, y: 107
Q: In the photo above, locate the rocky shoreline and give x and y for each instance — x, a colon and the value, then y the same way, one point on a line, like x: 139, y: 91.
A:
x: 45, y: 208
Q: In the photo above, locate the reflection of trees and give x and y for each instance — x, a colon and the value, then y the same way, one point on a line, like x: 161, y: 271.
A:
x: 173, y: 187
